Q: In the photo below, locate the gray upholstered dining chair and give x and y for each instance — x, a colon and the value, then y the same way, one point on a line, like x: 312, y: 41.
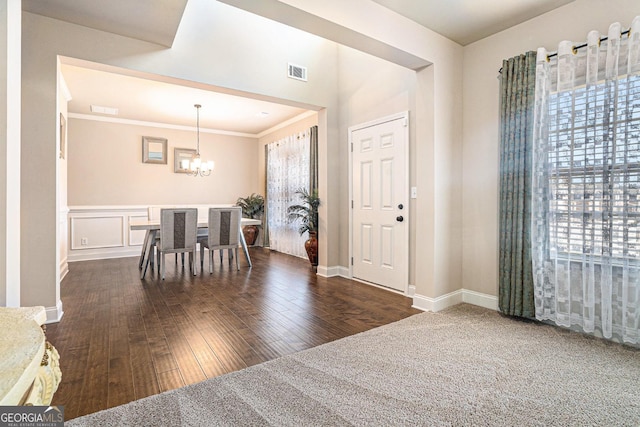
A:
x: 178, y: 234
x: 224, y: 233
x: 154, y: 215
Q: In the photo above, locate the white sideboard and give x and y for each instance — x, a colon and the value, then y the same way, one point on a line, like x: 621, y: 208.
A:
x: 29, y: 365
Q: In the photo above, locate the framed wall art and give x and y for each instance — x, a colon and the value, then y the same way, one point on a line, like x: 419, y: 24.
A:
x: 181, y: 159
x: 154, y: 150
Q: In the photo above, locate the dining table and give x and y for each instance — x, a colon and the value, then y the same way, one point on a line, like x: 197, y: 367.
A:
x: 152, y: 228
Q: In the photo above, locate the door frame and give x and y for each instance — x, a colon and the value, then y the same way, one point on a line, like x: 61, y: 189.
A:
x: 401, y: 115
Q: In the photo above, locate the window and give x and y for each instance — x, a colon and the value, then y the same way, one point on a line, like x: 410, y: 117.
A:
x: 586, y: 160
x: 594, y: 168
x: 288, y: 169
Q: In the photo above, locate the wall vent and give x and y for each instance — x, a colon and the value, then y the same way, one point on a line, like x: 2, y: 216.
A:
x: 297, y: 72
x: 104, y: 110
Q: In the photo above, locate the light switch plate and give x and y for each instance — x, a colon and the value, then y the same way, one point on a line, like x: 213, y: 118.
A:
x: 414, y: 192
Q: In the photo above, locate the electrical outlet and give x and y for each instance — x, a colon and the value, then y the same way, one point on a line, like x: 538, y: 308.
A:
x: 84, y: 241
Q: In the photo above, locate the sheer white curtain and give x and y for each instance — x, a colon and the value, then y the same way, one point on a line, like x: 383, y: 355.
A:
x: 586, y: 185
x: 287, y: 171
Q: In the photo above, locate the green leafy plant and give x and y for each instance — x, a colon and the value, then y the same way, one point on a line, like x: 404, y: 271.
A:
x: 252, y: 206
x: 306, y: 212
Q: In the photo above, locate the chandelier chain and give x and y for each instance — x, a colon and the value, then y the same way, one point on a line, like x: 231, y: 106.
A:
x: 197, y: 167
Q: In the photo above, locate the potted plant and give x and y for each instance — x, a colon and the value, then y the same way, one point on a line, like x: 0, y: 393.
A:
x: 307, y: 214
x: 252, y: 207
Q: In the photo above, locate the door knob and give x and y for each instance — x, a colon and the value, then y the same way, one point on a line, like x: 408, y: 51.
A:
x: 399, y: 218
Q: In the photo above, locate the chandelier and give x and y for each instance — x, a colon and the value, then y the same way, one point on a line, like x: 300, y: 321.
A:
x: 196, y: 166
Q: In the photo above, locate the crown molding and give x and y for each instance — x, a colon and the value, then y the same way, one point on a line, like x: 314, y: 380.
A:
x: 157, y: 125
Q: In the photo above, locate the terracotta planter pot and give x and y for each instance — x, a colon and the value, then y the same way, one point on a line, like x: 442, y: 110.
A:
x: 250, y: 234
x: 311, y: 245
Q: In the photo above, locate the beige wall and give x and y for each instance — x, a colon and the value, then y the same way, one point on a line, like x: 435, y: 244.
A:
x: 480, y: 156
x: 105, y: 166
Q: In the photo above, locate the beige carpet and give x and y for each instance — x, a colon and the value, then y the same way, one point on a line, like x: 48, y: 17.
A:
x: 460, y: 367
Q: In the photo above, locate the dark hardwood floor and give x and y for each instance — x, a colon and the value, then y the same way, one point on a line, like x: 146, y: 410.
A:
x: 122, y: 338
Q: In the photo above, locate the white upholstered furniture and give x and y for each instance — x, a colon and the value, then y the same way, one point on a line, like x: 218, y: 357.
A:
x: 29, y: 365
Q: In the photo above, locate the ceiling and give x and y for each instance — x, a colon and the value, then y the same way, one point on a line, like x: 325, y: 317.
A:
x: 155, y: 101
x: 151, y: 100
x: 467, y: 21
x: 138, y: 19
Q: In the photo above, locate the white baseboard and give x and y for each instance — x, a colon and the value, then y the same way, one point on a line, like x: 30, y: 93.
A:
x: 321, y: 270
x: 344, y: 272
x: 334, y: 271
x: 54, y: 314
x: 93, y: 254
x: 424, y: 303
x: 64, y: 268
x: 480, y: 299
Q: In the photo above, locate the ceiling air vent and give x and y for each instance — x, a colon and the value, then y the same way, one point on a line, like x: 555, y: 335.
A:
x: 297, y: 72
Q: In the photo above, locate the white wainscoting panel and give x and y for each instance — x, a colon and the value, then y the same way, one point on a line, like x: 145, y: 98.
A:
x: 101, y: 232
x: 97, y: 232
x: 136, y: 237
x: 107, y: 232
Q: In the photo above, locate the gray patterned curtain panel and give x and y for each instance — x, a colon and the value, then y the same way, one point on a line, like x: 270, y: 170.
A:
x: 517, y: 89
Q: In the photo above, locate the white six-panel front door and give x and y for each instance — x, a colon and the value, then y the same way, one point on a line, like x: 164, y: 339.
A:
x: 380, y: 206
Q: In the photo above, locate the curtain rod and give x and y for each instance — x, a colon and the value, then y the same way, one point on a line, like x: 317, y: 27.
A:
x: 580, y: 46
